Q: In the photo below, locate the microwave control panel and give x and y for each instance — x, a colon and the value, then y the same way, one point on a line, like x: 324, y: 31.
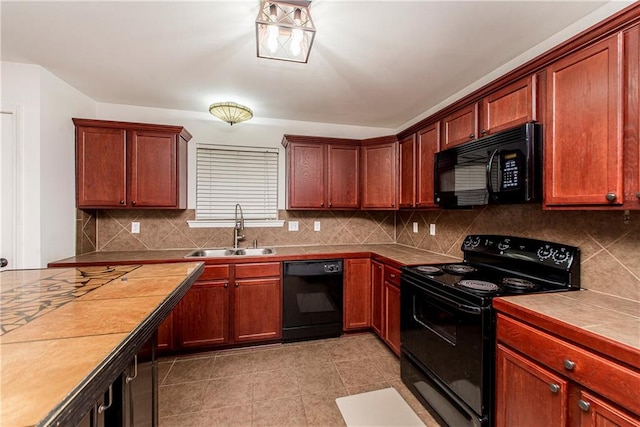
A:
x: 511, y: 167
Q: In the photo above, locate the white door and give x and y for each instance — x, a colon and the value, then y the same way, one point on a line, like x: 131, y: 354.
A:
x: 8, y: 189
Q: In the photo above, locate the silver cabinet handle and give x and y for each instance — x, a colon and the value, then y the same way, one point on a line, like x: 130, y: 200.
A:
x: 103, y: 408
x: 568, y: 364
x: 393, y: 276
x: 611, y: 196
x: 471, y: 136
x: 135, y: 370
x: 584, y: 405
x: 555, y: 388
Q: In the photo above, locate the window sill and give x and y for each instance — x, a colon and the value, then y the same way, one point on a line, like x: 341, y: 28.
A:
x: 231, y: 224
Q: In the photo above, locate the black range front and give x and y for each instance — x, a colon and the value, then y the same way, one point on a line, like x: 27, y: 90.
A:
x: 448, y: 324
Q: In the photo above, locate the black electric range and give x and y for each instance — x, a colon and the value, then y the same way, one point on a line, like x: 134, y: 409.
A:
x: 448, y: 324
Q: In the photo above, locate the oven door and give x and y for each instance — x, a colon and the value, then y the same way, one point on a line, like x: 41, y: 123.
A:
x: 452, y: 339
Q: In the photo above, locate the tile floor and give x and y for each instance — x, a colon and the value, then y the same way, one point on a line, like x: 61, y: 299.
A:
x: 278, y: 385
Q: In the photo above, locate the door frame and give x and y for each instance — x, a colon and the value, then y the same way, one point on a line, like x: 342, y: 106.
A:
x: 16, y: 201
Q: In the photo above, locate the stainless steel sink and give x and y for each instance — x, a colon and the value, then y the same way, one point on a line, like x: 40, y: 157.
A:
x: 213, y: 253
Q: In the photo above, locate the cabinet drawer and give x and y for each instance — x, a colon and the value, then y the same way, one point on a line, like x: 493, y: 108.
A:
x: 609, y: 379
x: 392, y: 275
x: 261, y: 269
x: 212, y: 272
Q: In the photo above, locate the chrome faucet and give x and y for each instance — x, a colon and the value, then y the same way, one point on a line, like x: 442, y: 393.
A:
x: 239, y: 227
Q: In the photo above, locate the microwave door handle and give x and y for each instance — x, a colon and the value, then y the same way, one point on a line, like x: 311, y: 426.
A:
x: 489, y: 167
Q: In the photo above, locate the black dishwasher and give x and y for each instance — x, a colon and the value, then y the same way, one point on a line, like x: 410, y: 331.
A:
x: 311, y: 300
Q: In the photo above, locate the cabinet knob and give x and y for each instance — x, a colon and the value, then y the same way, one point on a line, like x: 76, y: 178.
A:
x: 322, y: 205
x: 135, y: 370
x: 122, y: 202
x: 568, y: 364
x: 330, y: 204
x: 611, y: 196
x: 236, y: 285
x: 133, y: 203
x: 393, y: 276
x: 226, y: 285
x: 555, y: 388
x: 393, y: 205
x: 471, y: 136
x: 584, y: 405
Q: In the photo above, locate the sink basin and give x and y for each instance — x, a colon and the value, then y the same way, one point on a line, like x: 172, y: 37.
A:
x: 212, y: 253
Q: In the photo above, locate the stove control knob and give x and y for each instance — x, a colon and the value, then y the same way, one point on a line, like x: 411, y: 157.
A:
x: 561, y: 256
x: 504, y: 245
x: 471, y: 242
x: 544, y: 252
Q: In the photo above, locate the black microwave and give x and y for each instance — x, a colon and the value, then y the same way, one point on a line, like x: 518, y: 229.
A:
x: 502, y: 168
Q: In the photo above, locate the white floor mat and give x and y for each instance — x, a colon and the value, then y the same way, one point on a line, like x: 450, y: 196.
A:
x: 383, y: 408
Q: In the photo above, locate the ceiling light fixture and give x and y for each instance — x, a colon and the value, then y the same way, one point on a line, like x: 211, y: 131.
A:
x: 284, y: 30
x: 231, y: 112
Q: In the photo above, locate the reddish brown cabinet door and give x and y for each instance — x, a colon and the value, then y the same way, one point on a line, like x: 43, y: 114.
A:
x: 357, y: 294
x: 153, y: 169
x: 460, y: 126
x: 392, y: 316
x: 377, y: 298
x: 343, y: 176
x: 165, y: 335
x: 407, y: 148
x: 257, y: 312
x: 101, y: 158
x: 204, y: 315
x: 379, y: 176
x: 306, y: 178
x: 597, y: 412
x: 427, y: 145
x: 528, y: 394
x: 510, y: 106
x: 583, y: 138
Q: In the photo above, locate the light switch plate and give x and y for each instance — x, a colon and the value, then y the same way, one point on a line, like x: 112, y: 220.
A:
x: 415, y: 227
x: 135, y: 227
x: 432, y: 229
x: 293, y: 225
x: 316, y: 225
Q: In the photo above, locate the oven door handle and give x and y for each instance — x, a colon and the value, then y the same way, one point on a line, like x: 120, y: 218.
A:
x: 461, y: 307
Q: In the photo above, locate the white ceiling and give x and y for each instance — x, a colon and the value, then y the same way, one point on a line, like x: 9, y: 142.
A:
x: 373, y: 63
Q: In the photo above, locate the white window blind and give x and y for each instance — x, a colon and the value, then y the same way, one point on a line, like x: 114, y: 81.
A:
x: 227, y: 175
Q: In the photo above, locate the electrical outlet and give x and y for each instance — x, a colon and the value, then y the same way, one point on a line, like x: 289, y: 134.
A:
x: 415, y: 227
x: 316, y: 225
x: 293, y: 225
x: 432, y: 229
x: 135, y: 227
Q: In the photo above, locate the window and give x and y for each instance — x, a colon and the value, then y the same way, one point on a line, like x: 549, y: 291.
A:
x: 227, y: 175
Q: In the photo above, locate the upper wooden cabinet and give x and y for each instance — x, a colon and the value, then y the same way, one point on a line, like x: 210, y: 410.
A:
x: 417, y: 153
x: 380, y: 173
x: 322, y: 173
x: 130, y: 165
x: 583, y: 127
x: 507, y: 107
x: 460, y: 126
x: 513, y: 105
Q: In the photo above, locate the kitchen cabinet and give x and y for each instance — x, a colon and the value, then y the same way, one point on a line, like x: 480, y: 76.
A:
x: 417, y: 153
x: 377, y: 297
x: 543, y: 379
x: 322, y: 173
x: 391, y: 329
x: 510, y: 106
x: 460, y: 126
x: 380, y: 173
x: 257, y: 302
x: 583, y: 126
x: 165, y: 335
x: 123, y: 165
x: 203, y: 313
x: 357, y: 294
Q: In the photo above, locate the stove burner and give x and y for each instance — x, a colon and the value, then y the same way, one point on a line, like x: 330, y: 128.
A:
x: 514, y: 283
x: 429, y: 269
x: 479, y: 285
x: 459, y: 268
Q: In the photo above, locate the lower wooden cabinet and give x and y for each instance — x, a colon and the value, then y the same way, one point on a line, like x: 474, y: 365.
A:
x: 257, y: 309
x: 385, y: 304
x: 377, y: 297
x: 165, y: 337
x: 543, y: 380
x: 357, y: 294
x: 204, y: 315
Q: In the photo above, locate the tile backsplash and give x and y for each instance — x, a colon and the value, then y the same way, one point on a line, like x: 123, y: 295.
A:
x: 610, y: 248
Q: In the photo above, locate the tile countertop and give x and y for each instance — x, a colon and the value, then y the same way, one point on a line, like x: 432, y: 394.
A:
x: 600, y: 322
x: 67, y: 333
x: 394, y: 254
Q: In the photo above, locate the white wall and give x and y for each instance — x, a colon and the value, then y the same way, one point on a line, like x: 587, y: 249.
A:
x: 256, y: 132
x: 46, y: 105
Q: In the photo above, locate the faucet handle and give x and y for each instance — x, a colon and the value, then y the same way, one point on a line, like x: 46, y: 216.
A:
x: 255, y: 243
